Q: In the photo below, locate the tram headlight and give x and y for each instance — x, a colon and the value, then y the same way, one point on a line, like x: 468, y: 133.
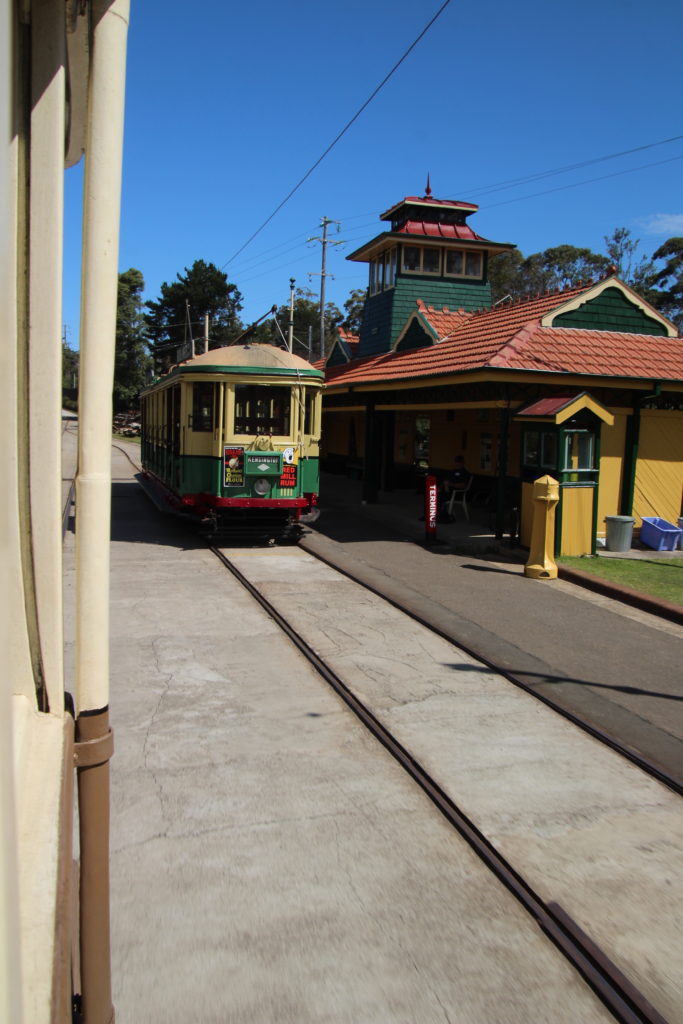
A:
x: 262, y: 486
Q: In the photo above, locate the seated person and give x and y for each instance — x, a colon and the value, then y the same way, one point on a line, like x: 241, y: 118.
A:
x: 457, y: 479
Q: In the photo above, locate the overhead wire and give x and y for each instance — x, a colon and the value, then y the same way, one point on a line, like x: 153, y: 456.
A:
x: 483, y: 190
x: 341, y: 134
x: 500, y: 186
x: 587, y: 181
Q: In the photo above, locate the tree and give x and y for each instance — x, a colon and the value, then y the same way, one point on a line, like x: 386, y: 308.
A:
x: 354, y: 308
x: 621, y: 250
x: 204, y: 290
x: 665, y: 285
x: 561, y: 266
x: 505, y: 275
x: 131, y: 360
x: 70, y: 362
x: 306, y: 314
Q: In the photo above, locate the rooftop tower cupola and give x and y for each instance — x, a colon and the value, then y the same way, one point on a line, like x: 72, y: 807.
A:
x: 429, y: 252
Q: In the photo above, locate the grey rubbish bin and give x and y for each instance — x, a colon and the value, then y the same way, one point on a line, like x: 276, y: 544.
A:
x: 619, y: 532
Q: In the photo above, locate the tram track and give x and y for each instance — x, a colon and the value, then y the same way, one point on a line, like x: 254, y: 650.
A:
x: 645, y: 764
x: 624, y: 1001
x: 635, y: 757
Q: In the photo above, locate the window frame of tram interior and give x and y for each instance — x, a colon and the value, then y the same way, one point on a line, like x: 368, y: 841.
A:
x: 205, y: 421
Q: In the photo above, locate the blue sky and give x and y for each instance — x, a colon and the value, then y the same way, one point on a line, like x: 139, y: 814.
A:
x: 228, y: 105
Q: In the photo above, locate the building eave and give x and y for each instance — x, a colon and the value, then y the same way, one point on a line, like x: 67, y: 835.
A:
x: 379, y: 244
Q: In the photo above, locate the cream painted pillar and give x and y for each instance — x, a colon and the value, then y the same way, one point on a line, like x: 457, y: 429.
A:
x: 101, y: 213
x: 14, y: 658
x: 48, y: 58
x: 101, y: 210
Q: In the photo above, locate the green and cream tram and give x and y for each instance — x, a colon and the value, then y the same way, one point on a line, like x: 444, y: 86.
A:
x: 231, y: 438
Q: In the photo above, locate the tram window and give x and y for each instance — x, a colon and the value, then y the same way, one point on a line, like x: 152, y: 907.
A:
x: 309, y: 412
x: 202, y: 406
x: 262, y: 410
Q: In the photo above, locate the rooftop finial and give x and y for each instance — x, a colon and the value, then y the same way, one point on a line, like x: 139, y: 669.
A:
x: 428, y: 190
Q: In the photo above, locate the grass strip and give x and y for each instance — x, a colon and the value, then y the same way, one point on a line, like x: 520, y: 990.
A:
x: 661, y: 577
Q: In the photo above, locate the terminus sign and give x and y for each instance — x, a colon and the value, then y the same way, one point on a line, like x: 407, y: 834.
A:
x: 431, y: 509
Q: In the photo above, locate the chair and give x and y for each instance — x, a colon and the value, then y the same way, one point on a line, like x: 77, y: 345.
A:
x: 459, y: 497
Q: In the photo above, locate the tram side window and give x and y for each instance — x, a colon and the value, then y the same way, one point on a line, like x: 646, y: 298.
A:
x: 309, y: 411
x: 262, y: 410
x: 202, y: 406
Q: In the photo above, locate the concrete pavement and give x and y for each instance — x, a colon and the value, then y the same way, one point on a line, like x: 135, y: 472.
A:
x: 269, y: 861
x: 594, y: 654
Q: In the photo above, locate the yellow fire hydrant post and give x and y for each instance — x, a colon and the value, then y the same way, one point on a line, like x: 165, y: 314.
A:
x: 541, y: 565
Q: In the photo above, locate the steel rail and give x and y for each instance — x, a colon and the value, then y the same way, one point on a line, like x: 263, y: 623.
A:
x: 639, y: 760
x: 626, y: 1003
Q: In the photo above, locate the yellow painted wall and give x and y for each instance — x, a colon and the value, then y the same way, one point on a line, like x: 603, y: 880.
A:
x: 659, y: 475
x: 463, y: 433
x: 577, y: 520
x: 336, y: 432
x: 611, y: 469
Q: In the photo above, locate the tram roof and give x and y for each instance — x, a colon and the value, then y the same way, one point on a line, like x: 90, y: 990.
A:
x: 248, y: 359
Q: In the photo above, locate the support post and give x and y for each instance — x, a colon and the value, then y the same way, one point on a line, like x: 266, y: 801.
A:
x: 101, y: 215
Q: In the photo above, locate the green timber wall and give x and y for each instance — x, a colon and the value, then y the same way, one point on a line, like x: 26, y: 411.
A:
x: 611, y: 311
x: 387, y: 313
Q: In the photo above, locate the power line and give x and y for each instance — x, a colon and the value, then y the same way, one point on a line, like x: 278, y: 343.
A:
x: 511, y: 182
x: 588, y: 181
x: 342, y: 132
x: 473, y: 192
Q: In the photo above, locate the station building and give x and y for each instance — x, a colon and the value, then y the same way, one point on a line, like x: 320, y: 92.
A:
x: 585, y: 384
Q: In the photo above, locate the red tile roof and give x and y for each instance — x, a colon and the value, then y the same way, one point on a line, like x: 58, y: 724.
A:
x: 442, y: 321
x: 350, y: 339
x: 432, y: 230
x: 510, y: 337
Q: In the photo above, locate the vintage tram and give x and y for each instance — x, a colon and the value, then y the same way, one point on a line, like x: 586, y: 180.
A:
x: 230, y: 439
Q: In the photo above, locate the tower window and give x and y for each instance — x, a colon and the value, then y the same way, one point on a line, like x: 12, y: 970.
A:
x: 463, y: 264
x: 419, y: 259
x: 382, y: 272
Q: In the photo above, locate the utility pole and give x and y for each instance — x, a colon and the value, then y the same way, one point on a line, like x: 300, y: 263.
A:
x: 325, y: 241
x: 290, y: 333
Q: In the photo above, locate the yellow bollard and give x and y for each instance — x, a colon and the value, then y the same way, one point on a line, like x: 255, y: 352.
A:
x: 546, y: 496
